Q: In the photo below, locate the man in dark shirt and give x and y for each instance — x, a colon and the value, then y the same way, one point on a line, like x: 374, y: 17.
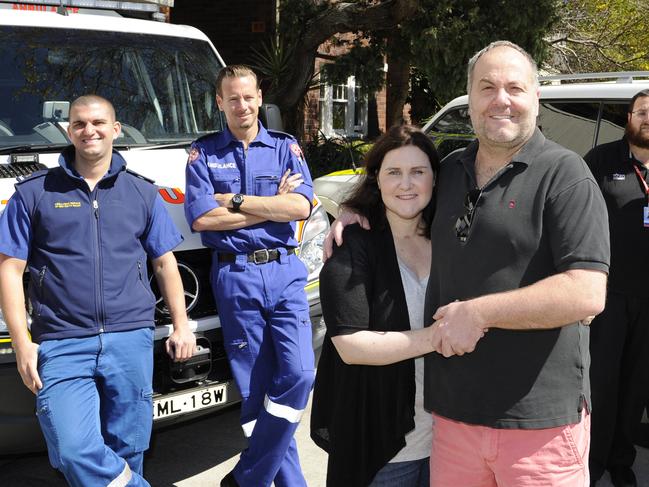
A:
x: 520, y: 256
x: 620, y: 335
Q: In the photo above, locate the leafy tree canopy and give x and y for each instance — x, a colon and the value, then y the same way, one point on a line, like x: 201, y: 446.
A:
x: 441, y: 35
x: 433, y: 38
x: 597, y: 36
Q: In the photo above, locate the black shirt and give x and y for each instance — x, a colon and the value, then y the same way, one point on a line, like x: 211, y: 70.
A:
x: 612, y: 166
x: 361, y: 413
x: 541, y: 215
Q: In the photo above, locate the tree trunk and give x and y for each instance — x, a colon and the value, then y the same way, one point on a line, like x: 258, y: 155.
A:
x: 398, y: 77
x: 340, y: 17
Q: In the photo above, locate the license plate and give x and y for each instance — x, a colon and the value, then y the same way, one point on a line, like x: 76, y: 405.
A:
x: 194, y: 400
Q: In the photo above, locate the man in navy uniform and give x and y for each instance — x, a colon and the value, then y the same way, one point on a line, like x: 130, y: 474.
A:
x: 246, y: 186
x: 85, y: 230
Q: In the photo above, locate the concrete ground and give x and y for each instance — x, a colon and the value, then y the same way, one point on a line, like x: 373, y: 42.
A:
x: 200, y: 453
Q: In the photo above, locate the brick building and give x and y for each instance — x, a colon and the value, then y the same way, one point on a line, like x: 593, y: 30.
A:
x: 234, y: 27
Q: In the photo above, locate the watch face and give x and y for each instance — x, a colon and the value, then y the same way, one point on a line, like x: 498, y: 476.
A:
x: 237, y: 199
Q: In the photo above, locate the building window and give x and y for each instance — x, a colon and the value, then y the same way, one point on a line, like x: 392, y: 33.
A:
x: 343, y: 110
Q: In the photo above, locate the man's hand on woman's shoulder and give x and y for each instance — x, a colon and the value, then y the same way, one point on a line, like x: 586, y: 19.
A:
x: 345, y: 217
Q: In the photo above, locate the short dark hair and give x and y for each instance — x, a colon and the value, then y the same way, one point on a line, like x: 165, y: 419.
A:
x: 234, y: 71
x: 365, y: 198
x: 639, y: 94
x: 91, y: 99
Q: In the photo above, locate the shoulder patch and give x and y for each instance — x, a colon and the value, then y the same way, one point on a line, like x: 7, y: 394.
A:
x: 193, y: 155
x: 139, y: 176
x: 295, y: 149
x: 35, y: 175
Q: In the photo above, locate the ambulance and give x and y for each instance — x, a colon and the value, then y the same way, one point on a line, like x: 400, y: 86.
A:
x: 160, y: 77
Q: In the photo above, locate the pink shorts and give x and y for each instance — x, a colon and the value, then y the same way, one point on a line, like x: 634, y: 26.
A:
x: 466, y: 455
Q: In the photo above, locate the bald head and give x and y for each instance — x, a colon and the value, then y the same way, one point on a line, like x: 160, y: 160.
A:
x: 534, y: 72
x: 87, y: 100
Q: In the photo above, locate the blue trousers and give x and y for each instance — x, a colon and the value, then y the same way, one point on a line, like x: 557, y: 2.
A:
x: 95, y: 407
x: 267, y: 333
x: 415, y: 473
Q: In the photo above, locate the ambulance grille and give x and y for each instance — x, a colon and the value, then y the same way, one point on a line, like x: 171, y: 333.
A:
x: 15, y: 170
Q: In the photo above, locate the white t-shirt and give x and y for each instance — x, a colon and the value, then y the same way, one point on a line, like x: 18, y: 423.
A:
x: 419, y: 440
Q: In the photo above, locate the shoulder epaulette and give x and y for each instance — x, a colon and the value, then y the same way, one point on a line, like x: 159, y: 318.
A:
x: 279, y: 132
x: 139, y: 176
x: 35, y: 175
x: 208, y: 136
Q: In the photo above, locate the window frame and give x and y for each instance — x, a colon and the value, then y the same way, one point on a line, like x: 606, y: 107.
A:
x: 326, y: 102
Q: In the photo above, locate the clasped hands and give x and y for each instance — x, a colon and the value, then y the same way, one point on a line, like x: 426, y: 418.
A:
x: 457, y: 328
x: 287, y: 184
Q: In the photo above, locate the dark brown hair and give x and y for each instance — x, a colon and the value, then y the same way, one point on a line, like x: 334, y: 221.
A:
x: 639, y: 94
x: 365, y: 198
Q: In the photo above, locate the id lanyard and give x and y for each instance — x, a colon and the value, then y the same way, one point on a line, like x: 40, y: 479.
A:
x: 645, y: 186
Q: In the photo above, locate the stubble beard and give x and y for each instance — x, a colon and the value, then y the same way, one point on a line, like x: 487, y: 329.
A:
x: 507, y: 140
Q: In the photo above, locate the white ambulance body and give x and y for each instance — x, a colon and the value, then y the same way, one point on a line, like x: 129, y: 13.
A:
x: 160, y: 77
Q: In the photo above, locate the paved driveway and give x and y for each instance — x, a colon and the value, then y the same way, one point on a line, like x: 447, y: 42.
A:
x: 200, y: 453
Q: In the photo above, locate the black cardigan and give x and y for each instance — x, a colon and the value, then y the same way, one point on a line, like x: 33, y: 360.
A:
x: 360, y: 413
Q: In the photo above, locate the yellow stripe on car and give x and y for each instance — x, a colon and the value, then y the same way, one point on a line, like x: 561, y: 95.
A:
x: 347, y: 172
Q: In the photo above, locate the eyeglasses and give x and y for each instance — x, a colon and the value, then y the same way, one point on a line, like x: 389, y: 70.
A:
x: 463, y: 223
x: 641, y: 114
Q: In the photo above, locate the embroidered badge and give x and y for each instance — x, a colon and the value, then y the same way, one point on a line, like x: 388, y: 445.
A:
x: 618, y: 177
x: 295, y: 149
x: 222, y: 165
x: 67, y: 204
x: 193, y: 155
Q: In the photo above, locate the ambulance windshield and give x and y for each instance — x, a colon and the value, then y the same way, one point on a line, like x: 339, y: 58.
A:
x: 162, y: 87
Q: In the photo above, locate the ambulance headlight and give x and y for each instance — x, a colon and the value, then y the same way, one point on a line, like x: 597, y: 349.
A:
x: 313, y: 235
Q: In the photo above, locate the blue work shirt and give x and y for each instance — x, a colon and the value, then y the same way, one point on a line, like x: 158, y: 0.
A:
x: 218, y: 163
x: 86, y: 250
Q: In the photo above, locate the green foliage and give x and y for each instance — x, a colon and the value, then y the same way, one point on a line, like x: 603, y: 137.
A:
x: 448, y: 33
x: 364, y: 60
x: 294, y: 16
x: 597, y: 35
x: 422, y: 99
x: 273, y: 62
x: 327, y: 154
x: 436, y: 42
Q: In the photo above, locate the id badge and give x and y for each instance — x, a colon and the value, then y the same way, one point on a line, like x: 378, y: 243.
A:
x: 645, y: 216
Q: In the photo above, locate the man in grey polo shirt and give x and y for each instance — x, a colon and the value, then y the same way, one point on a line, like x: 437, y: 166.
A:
x: 520, y: 256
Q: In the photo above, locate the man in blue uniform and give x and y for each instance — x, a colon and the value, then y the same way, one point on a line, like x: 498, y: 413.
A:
x: 246, y: 186
x: 85, y: 230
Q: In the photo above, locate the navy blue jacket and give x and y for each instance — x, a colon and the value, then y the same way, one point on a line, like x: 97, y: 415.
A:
x: 87, y: 251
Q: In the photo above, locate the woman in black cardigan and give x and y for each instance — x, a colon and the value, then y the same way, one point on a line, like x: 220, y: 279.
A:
x: 367, y: 408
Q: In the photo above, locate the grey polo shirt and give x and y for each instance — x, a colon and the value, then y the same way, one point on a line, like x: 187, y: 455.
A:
x: 542, y: 214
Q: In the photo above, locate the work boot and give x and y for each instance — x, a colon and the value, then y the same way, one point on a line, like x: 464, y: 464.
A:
x: 229, y: 481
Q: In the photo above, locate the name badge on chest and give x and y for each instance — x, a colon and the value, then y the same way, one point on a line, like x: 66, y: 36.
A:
x: 645, y: 216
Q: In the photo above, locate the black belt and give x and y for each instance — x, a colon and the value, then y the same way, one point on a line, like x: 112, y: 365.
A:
x: 261, y: 256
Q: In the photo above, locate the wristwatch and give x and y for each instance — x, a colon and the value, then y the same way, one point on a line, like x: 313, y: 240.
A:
x: 236, y: 200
